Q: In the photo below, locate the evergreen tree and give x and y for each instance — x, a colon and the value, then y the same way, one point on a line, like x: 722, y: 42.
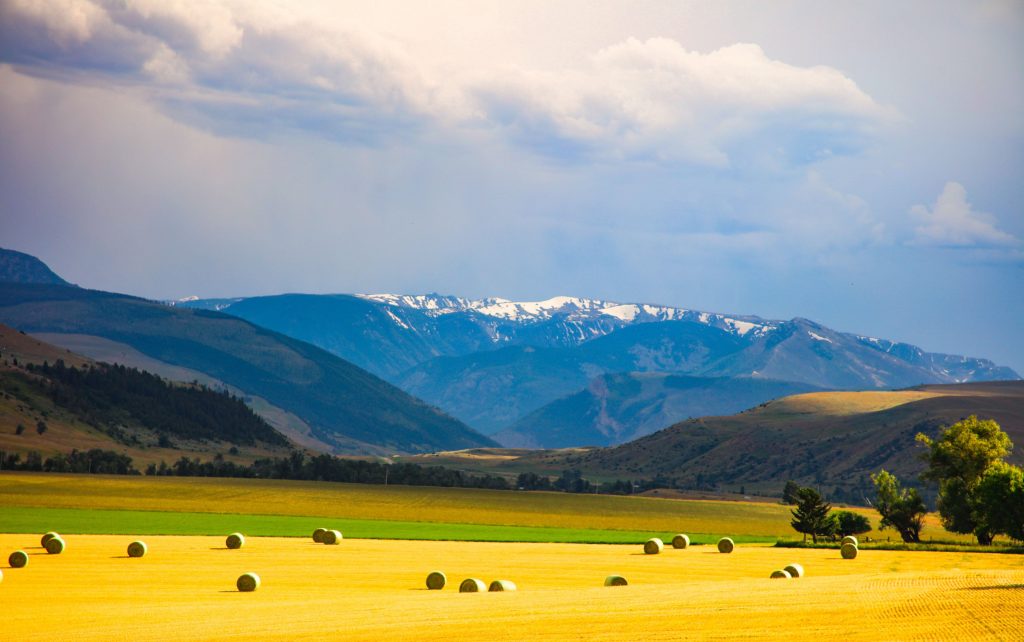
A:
x: 810, y: 516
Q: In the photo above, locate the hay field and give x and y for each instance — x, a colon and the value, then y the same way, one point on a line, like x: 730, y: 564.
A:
x: 406, y: 504
x: 374, y: 590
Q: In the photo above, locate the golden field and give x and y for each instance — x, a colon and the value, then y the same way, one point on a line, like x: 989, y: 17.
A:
x: 413, y: 503
x: 374, y: 590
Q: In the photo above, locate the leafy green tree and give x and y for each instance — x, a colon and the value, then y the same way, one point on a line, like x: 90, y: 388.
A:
x: 810, y: 516
x: 957, y: 460
x: 902, y: 509
x: 789, y: 492
x: 850, y: 523
x: 999, y: 500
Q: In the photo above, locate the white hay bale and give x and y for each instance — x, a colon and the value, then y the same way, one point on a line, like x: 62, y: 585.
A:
x: 18, y: 559
x: 137, y: 549
x: 55, y: 546
x: 795, y: 570
x: 653, y: 546
x: 47, y: 537
x: 781, y: 574
x: 472, y: 585
x: 235, y: 540
x: 680, y: 541
x: 436, y: 581
x: 331, y: 537
x: 725, y: 545
x: 850, y: 539
x: 318, y: 535
x: 615, y: 580
x: 248, y: 582
x: 848, y: 551
x: 497, y: 586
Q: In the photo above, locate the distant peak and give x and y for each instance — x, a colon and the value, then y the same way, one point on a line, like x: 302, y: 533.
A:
x: 571, y: 308
x: 18, y: 267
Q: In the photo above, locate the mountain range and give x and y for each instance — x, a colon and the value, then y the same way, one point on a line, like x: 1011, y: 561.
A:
x: 498, y: 365
x: 315, y: 398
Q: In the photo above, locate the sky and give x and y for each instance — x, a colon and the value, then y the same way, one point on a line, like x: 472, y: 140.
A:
x: 858, y: 164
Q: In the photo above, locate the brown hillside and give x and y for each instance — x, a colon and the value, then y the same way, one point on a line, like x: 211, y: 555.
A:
x: 828, y: 439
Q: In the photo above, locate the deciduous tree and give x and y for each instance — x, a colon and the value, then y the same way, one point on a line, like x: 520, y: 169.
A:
x: 901, y: 509
x: 957, y: 460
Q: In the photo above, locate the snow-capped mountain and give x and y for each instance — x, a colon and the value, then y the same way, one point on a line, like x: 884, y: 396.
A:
x: 490, y: 362
x: 570, y: 309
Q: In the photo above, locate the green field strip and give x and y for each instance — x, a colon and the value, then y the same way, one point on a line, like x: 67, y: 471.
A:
x: 129, y: 522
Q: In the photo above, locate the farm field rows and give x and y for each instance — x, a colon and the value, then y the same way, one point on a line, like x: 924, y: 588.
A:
x: 750, y: 521
x: 374, y: 590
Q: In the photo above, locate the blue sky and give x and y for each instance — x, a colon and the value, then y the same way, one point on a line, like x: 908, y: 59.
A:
x: 859, y: 165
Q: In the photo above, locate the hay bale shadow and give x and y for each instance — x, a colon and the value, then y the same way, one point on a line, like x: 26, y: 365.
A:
x: 995, y: 587
x: 120, y: 557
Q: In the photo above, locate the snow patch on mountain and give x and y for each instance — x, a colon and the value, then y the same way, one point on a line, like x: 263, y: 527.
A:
x: 818, y: 337
x: 569, y: 308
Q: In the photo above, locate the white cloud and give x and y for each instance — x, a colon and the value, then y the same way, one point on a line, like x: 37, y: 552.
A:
x: 952, y: 222
x: 654, y: 99
x: 248, y: 69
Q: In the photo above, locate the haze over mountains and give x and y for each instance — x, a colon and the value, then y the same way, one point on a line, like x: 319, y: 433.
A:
x: 562, y: 372
x: 494, y: 362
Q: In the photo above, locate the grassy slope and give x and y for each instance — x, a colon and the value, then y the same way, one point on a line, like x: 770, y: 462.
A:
x: 826, y: 439
x: 345, y: 405
x: 285, y: 508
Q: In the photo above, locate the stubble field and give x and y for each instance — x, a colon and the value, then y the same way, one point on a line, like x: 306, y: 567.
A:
x: 374, y: 590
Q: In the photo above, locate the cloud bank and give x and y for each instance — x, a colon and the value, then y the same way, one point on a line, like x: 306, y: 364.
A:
x: 252, y: 70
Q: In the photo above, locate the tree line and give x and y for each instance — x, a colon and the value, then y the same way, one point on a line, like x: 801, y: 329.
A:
x: 110, y: 396
x: 302, y: 467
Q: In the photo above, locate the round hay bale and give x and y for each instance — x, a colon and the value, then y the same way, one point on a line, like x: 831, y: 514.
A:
x: 850, y: 539
x: 848, y: 551
x: 318, y: 535
x: 725, y: 545
x: 795, y: 570
x: 18, y: 559
x: 137, y: 549
x: 680, y: 541
x: 248, y: 582
x: 472, y: 585
x: 615, y: 580
x: 781, y: 574
x: 498, y: 586
x: 235, y: 540
x: 55, y: 546
x: 653, y: 546
x: 436, y: 581
x: 47, y: 537
x: 331, y: 537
